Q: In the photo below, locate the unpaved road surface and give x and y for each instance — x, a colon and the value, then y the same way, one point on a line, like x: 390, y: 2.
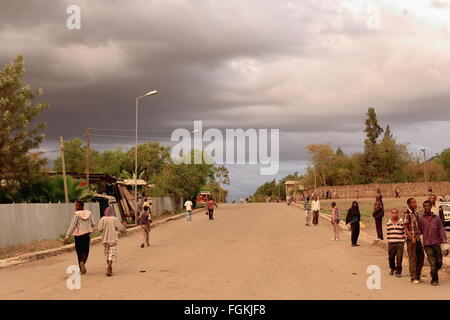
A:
x: 250, y: 251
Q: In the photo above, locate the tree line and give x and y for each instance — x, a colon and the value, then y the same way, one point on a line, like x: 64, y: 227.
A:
x: 383, y: 160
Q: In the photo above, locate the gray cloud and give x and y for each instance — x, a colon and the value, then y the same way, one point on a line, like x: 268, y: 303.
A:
x: 309, y: 68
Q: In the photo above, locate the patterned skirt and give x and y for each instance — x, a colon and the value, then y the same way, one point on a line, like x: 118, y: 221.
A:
x: 110, y: 251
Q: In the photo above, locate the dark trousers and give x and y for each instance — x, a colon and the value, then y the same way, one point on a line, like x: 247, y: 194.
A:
x: 434, y: 255
x: 315, y: 217
x: 379, y: 226
x: 395, y: 252
x: 416, y: 258
x: 82, y: 247
x: 355, y: 232
x: 211, y: 214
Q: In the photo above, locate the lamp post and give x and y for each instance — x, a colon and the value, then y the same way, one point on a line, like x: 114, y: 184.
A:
x: 136, y: 149
x: 424, y: 164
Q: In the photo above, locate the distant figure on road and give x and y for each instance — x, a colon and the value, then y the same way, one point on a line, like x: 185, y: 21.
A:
x: 378, y: 214
x: 188, y: 205
x: 315, y: 206
x: 353, y: 218
x: 335, y: 219
x: 379, y: 198
x: 357, y: 194
x: 242, y: 200
x: 144, y: 220
x: 430, y: 226
x: 414, y: 246
x: 210, y: 207
x: 81, y: 228
x: 396, y: 240
x: 307, y: 207
x: 397, y: 193
x: 110, y: 226
x: 435, y: 208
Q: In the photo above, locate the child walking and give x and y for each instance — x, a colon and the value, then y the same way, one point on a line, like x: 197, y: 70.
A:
x: 396, y: 240
x: 144, y: 221
x: 307, y: 208
x: 335, y: 219
x: 81, y: 227
x: 110, y: 226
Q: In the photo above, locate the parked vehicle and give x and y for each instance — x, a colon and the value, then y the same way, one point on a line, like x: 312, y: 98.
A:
x: 202, y: 199
x: 445, y: 207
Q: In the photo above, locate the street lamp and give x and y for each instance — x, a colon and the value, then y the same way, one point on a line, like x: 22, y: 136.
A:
x: 150, y: 93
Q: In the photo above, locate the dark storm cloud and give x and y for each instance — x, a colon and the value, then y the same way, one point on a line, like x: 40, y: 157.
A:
x: 309, y: 68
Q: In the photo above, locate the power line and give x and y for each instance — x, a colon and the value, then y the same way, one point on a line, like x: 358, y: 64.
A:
x: 117, y: 136
x: 129, y: 130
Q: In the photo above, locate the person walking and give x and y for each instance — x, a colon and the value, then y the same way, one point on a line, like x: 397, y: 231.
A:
x: 416, y: 255
x: 210, y: 206
x: 435, y: 208
x: 144, y: 220
x: 430, y: 226
x: 353, y: 218
x: 396, y: 239
x: 188, y: 205
x: 307, y: 208
x: 81, y: 227
x: 397, y: 193
x: 110, y: 226
x: 378, y: 214
x: 335, y: 219
x: 315, y: 206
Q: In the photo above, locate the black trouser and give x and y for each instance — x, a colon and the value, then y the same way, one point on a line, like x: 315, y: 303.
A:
x: 395, y: 252
x: 434, y: 255
x: 355, y: 232
x: 82, y: 247
x: 416, y: 258
x: 211, y: 214
x: 379, y: 226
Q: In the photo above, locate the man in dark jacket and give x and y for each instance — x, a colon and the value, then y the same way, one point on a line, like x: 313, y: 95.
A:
x: 378, y: 214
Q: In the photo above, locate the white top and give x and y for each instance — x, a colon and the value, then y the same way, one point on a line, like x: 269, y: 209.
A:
x: 315, y: 205
x: 188, y: 205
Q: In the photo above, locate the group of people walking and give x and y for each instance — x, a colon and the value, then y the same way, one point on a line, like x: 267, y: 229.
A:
x: 400, y: 230
x: 83, y: 225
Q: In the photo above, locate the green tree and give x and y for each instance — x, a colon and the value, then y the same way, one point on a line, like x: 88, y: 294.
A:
x: 444, y: 160
x: 222, y: 176
x: 151, y: 159
x: 75, y: 157
x: 112, y: 162
x: 371, y: 159
x: 19, y: 133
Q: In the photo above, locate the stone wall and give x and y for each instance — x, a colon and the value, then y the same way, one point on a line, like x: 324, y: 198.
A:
x: 388, y: 190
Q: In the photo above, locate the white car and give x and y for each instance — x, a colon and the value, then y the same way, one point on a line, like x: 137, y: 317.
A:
x: 445, y: 206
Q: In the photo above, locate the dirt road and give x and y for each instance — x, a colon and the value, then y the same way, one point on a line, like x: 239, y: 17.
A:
x: 250, y: 251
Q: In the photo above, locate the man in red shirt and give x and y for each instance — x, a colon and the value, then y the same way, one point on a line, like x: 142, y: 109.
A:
x: 210, y: 206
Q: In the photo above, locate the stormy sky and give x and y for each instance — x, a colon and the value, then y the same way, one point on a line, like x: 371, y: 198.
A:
x: 309, y: 68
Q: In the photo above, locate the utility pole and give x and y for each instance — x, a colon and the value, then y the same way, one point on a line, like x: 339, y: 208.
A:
x: 88, y: 152
x: 424, y: 164
x: 315, y: 179
x: 63, y: 165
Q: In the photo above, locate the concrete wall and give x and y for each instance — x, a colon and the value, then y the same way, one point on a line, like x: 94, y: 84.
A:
x: 23, y: 223
x: 388, y: 190
x: 162, y: 204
